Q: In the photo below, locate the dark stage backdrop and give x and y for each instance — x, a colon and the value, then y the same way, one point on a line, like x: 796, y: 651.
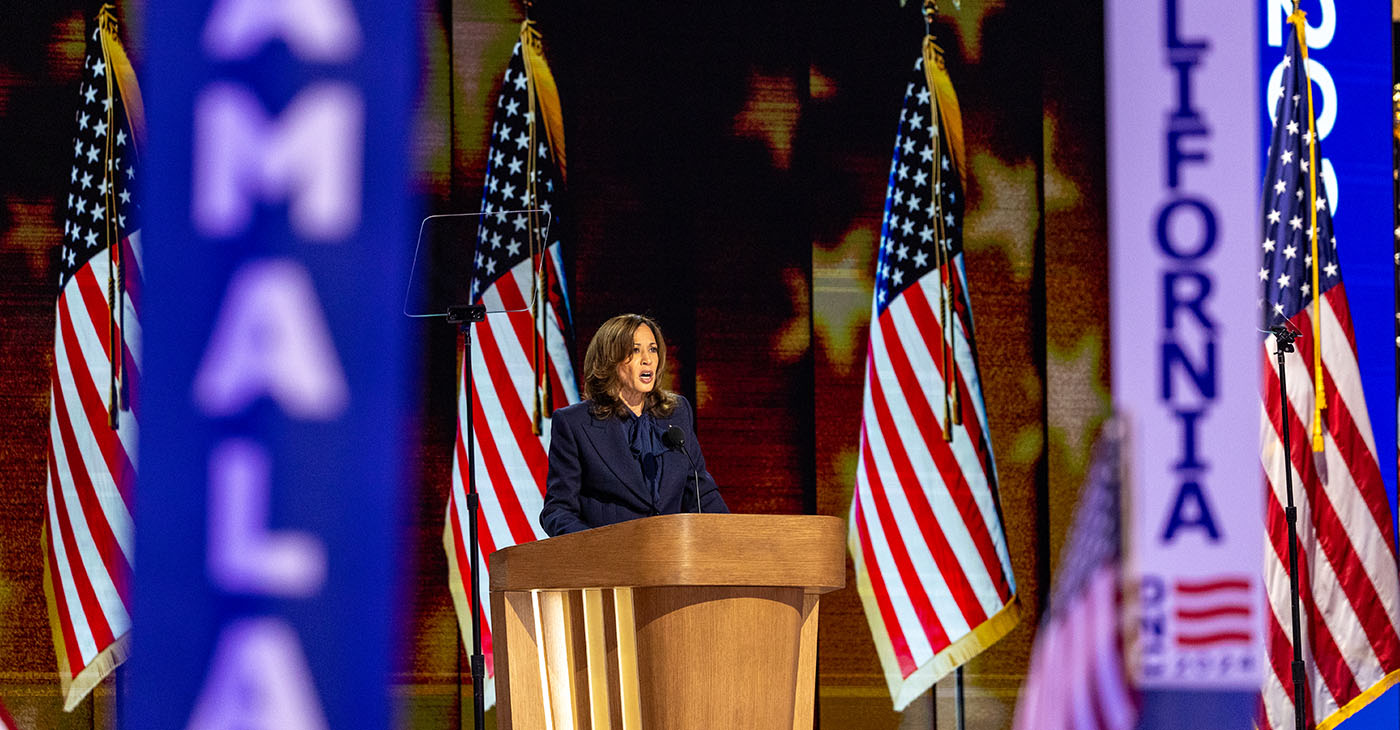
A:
x: 727, y: 164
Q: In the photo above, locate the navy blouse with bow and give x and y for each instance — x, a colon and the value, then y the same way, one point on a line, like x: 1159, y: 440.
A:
x: 603, y: 471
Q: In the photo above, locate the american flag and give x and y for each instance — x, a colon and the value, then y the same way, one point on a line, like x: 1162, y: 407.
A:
x: 96, y: 368
x: 520, y: 361
x: 1346, y: 561
x: 1077, y: 677
x: 1213, y: 612
x: 926, y: 536
x: 6, y: 722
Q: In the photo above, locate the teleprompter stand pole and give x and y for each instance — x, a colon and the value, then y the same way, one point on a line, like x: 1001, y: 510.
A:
x: 464, y: 316
x: 1283, y: 340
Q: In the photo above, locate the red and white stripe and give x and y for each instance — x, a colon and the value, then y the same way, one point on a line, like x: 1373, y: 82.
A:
x: 6, y: 721
x: 87, y: 523
x: 1347, y: 568
x: 925, y: 532
x: 1213, y: 612
x: 1077, y: 679
x: 511, y: 461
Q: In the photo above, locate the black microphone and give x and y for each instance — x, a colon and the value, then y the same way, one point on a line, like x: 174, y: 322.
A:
x: 1284, y: 337
x: 674, y: 438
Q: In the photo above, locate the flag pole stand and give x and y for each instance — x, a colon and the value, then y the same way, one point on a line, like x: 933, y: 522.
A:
x: 959, y: 716
x: 1283, y: 340
x: 464, y: 316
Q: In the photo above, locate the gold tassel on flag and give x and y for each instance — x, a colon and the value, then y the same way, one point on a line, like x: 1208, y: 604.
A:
x: 1319, y: 394
x: 120, y: 74
x: 949, y: 114
x: 544, y: 107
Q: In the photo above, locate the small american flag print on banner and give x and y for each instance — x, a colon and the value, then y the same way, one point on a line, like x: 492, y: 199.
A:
x: 520, y: 361
x: 1350, y: 595
x: 1213, y: 612
x: 96, y: 369
x: 926, y: 537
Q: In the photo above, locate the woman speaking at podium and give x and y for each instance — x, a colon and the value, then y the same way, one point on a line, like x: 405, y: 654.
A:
x: 629, y: 449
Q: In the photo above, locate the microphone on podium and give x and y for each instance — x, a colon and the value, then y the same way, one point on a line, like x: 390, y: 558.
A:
x: 674, y: 438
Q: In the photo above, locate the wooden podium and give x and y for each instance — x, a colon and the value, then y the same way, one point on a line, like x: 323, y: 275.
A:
x: 665, y: 623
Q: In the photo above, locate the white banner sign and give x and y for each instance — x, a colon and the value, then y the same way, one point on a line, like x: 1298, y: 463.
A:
x: 1184, y: 192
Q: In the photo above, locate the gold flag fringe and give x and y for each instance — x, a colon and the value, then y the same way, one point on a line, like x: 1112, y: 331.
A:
x: 75, y: 687
x: 949, y: 112
x: 546, y: 93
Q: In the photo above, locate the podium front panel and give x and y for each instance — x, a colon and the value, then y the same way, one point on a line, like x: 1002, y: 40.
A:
x: 633, y: 626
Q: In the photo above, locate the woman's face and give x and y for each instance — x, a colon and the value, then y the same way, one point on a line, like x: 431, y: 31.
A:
x: 637, y: 374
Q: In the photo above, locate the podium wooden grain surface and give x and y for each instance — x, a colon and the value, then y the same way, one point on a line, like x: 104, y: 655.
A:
x: 679, y: 621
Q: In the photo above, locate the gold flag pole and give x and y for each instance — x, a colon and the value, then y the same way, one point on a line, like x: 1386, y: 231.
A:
x: 1319, y: 392
x: 543, y: 97
x: 106, y: 29
x: 120, y: 82
x: 948, y: 127
x: 529, y: 39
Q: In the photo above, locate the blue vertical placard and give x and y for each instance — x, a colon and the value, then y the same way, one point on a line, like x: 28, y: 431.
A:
x: 1349, y: 62
x: 274, y: 401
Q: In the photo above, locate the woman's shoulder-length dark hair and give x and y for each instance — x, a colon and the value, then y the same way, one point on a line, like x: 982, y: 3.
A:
x: 610, y: 347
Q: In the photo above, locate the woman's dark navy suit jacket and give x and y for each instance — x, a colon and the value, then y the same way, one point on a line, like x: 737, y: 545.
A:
x: 594, y: 480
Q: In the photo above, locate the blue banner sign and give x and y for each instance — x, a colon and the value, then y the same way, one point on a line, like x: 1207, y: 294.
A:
x: 275, y: 398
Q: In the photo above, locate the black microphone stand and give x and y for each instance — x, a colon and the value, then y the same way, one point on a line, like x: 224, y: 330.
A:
x: 1283, y: 340
x: 464, y: 316
x: 695, y: 475
x: 674, y: 439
